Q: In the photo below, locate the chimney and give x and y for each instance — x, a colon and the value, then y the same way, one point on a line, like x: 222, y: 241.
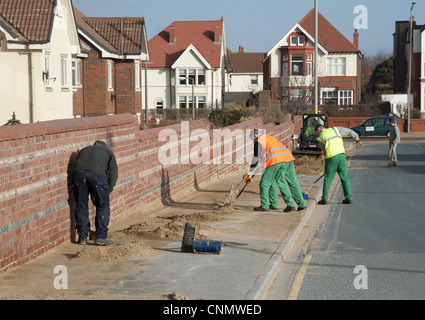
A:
x: 356, y: 38
x: 241, y: 49
x: 172, y: 36
x: 217, y: 35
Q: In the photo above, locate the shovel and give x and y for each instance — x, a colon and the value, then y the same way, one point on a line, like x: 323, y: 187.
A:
x: 236, y: 191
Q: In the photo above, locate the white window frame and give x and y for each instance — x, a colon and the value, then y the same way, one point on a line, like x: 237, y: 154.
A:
x: 309, y: 69
x: 201, y: 77
x: 198, y: 76
x: 301, y: 43
x: 64, y: 72
x: 75, y: 70
x: 336, y: 66
x: 110, y: 84
x: 159, y: 104
x: 201, y: 102
x: 137, y: 84
x: 345, y: 97
x: 293, y: 40
x: 297, y: 61
x: 329, y: 94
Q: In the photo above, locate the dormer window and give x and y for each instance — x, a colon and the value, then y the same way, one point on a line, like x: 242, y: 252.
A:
x: 293, y: 40
x: 301, y: 40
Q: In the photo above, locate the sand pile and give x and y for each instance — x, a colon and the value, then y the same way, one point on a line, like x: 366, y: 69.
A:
x: 309, y: 164
x: 132, y: 250
x: 131, y: 241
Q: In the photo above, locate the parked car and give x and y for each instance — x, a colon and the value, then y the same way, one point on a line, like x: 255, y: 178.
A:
x: 376, y: 126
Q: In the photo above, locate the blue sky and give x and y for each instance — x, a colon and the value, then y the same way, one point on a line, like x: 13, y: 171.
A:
x: 258, y: 25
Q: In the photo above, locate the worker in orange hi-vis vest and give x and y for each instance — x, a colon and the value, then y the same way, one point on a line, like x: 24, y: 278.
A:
x: 279, y: 172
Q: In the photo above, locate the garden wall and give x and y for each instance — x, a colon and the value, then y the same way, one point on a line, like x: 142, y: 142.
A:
x: 36, y: 160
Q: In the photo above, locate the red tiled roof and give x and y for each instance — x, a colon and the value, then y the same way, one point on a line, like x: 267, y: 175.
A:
x: 245, y: 62
x: 117, y: 35
x: 199, y: 33
x: 90, y: 32
x: 329, y: 37
x: 32, y: 18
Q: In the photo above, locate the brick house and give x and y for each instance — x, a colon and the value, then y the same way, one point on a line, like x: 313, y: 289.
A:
x: 289, y: 66
x: 401, y: 62
x: 110, y: 75
x: 187, y: 65
x: 38, y: 46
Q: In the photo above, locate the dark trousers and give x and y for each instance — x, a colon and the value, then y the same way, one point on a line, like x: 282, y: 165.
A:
x: 87, y: 183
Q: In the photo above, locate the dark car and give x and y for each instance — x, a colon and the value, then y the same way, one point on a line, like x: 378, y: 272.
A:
x: 376, y: 126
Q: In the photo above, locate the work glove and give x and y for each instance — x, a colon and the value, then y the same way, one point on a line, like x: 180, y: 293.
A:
x: 359, y: 143
x: 247, y: 178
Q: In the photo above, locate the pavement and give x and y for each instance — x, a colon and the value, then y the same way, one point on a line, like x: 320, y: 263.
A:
x: 244, y: 270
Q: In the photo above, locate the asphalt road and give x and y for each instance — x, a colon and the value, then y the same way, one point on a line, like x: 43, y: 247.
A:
x: 374, y: 248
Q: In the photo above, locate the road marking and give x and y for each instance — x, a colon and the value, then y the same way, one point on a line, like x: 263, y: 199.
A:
x: 299, y: 278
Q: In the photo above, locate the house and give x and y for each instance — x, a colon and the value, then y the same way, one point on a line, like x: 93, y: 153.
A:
x: 187, y: 66
x: 244, y: 76
x: 289, y: 66
x: 109, y: 80
x: 38, y: 45
x: 401, y: 38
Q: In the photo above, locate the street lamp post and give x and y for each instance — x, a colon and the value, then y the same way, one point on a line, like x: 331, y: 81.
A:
x: 409, y: 90
x: 316, y: 64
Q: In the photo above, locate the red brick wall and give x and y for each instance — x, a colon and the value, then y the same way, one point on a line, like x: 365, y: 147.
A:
x: 36, y: 202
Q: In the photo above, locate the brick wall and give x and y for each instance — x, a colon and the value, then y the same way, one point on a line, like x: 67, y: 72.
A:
x: 36, y: 199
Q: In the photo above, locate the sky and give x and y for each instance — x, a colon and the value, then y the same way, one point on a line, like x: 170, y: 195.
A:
x: 259, y: 25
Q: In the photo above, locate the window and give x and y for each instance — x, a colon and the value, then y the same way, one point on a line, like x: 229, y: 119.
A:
x: 301, y: 40
x: 329, y: 96
x: 159, y: 104
x: 137, y: 75
x: 309, y: 57
x: 293, y: 40
x: 296, y: 94
x: 309, y: 70
x: 345, y: 97
x: 297, y: 65
x: 64, y: 79
x: 182, y: 76
x: 76, y: 73
x: 254, y: 79
x: 201, y: 102
x: 47, y: 82
x: 110, y: 88
x: 182, y: 103
x: 201, y: 77
x: 192, y: 76
x: 336, y: 66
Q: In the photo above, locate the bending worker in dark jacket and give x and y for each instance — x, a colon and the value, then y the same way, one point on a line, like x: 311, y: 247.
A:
x: 95, y: 173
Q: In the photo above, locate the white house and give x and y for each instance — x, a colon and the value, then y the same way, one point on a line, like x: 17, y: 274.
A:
x: 186, y: 66
x: 244, y: 76
x: 38, y: 46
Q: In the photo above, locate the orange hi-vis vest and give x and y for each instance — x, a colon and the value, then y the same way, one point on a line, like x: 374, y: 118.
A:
x: 274, y: 151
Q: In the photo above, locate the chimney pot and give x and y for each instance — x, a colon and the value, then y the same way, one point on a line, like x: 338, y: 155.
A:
x: 356, y: 38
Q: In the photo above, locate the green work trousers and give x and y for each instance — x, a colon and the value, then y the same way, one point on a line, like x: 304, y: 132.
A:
x: 333, y: 165
x: 280, y: 176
